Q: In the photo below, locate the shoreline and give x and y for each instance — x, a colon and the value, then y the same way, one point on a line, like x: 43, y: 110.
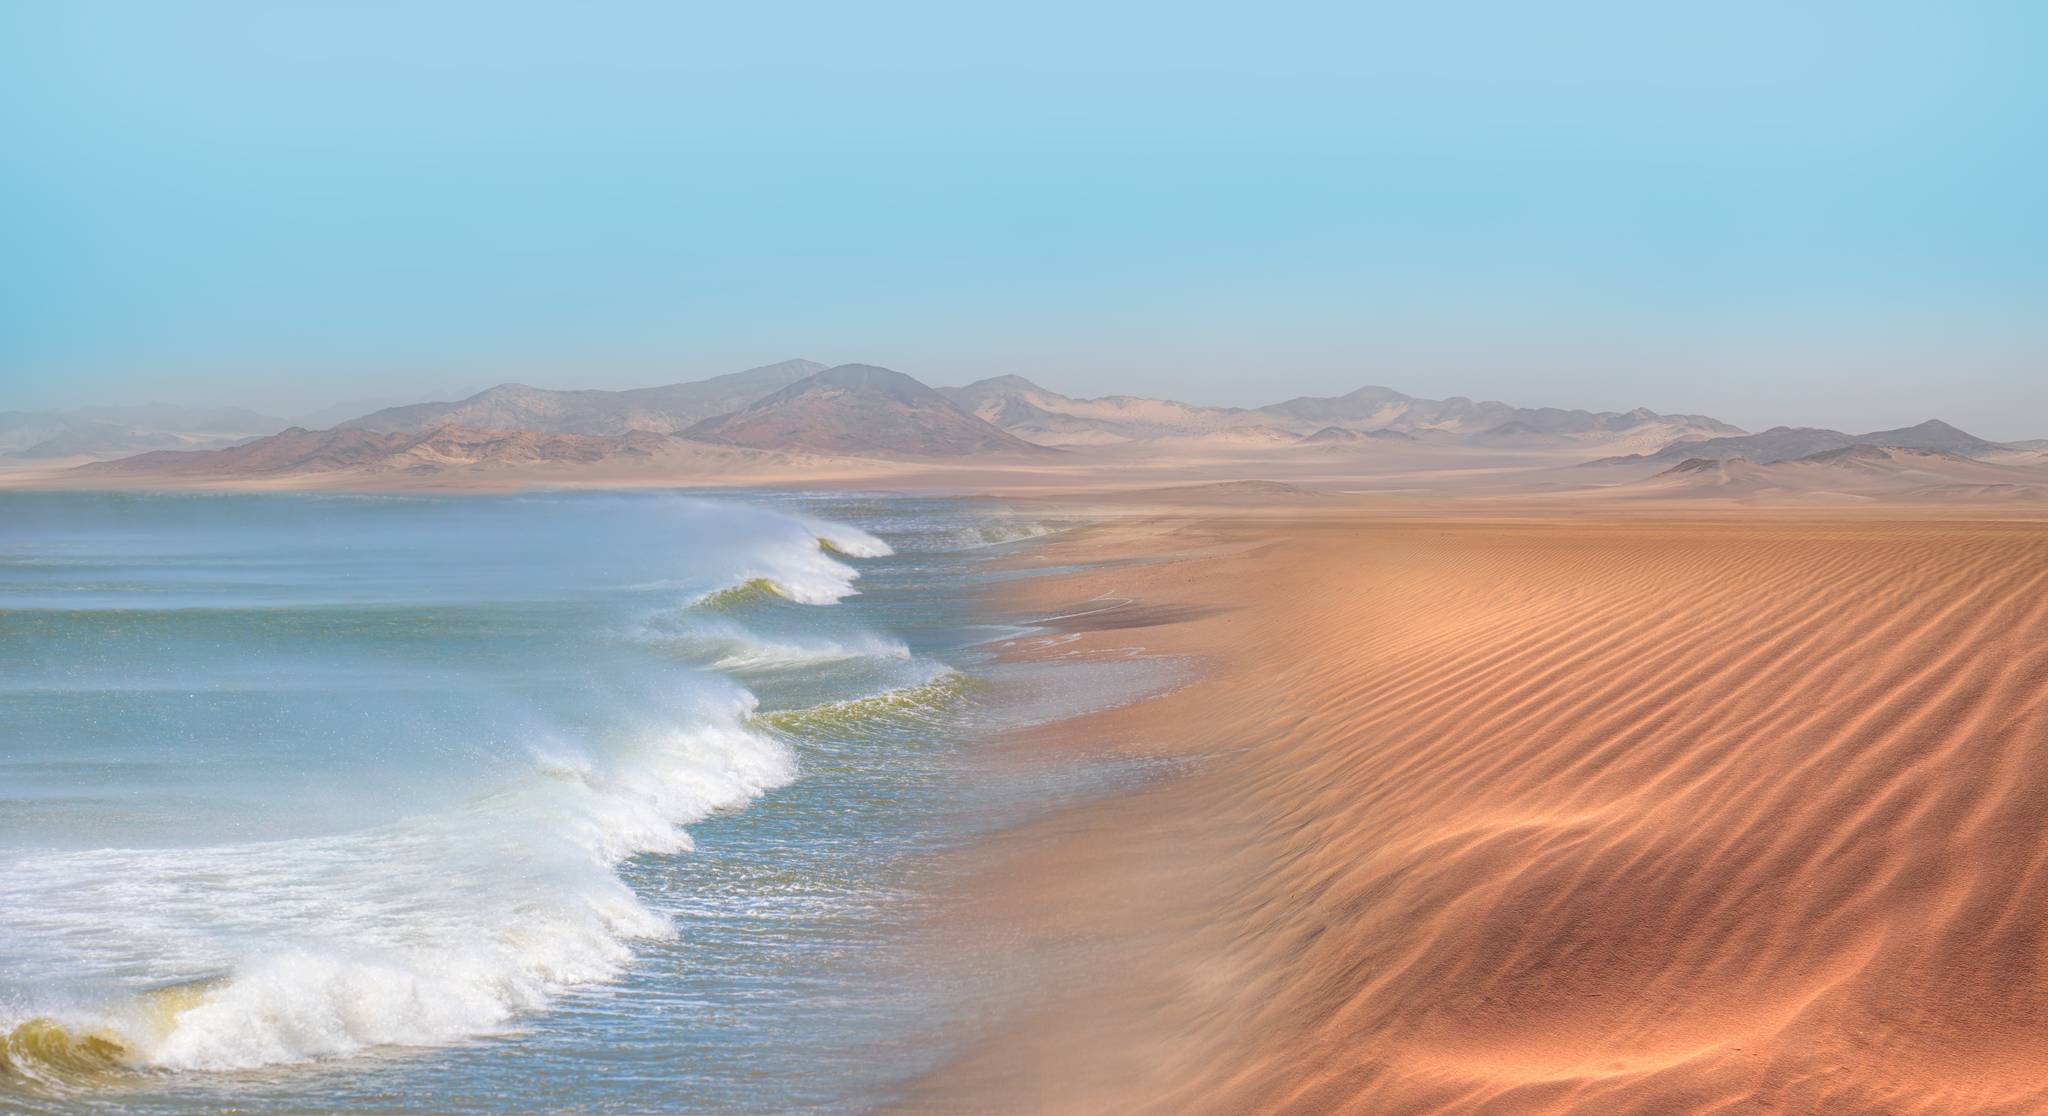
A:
x: 1479, y: 813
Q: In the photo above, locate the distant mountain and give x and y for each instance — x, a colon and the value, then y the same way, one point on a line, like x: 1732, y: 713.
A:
x: 864, y: 411
x: 663, y: 410
x: 299, y: 450
x: 1933, y: 434
x: 1786, y: 443
x: 1856, y: 472
x: 115, y: 430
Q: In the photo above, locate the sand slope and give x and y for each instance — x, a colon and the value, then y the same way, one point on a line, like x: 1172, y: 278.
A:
x: 1694, y: 815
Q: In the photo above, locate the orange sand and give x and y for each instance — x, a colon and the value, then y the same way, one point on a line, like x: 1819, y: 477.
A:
x: 1566, y: 814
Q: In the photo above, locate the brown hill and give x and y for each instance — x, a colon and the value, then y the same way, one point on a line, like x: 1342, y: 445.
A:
x: 864, y: 411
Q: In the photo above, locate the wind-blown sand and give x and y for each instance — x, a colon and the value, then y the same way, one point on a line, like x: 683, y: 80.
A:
x: 1559, y: 814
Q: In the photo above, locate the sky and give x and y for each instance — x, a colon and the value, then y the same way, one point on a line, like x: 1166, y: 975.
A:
x: 1816, y: 214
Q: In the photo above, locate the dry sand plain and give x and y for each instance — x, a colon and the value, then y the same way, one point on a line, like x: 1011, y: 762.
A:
x: 1668, y: 812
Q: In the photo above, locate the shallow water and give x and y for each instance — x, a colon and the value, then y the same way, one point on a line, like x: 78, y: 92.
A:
x: 504, y: 803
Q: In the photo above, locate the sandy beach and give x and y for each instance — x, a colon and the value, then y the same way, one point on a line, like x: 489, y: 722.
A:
x: 1677, y: 811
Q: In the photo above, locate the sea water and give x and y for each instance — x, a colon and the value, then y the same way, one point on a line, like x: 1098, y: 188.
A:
x: 560, y: 801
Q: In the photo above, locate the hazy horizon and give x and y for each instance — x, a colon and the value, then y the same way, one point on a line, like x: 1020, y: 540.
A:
x: 1825, y: 217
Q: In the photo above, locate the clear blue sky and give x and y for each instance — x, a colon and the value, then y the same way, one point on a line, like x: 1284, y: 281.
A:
x: 1825, y: 214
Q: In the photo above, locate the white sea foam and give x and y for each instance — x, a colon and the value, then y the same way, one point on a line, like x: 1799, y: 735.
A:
x: 425, y: 931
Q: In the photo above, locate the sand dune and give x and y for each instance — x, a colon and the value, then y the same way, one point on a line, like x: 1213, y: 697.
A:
x: 1673, y: 816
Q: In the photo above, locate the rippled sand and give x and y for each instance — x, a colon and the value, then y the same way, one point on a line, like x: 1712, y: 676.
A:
x: 1559, y: 814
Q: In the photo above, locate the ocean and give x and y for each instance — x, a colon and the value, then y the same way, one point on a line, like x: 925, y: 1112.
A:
x: 607, y: 802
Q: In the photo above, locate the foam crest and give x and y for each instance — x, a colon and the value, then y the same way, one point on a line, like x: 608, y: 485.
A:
x: 838, y: 538
x: 804, y: 569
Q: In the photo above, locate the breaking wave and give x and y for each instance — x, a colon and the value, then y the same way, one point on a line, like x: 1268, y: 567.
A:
x: 421, y: 932
x: 453, y: 921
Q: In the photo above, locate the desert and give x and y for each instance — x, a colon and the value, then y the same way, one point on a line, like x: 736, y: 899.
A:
x: 1052, y: 560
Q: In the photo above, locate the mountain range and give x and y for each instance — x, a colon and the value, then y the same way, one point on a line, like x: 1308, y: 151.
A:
x: 858, y: 411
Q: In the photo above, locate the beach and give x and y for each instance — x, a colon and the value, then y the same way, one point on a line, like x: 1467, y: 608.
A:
x: 1225, y: 797
x: 1673, y: 811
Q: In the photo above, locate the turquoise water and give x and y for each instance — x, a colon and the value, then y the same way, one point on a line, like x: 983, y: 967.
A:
x: 569, y: 802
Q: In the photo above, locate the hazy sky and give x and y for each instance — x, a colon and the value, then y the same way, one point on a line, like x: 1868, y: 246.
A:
x: 1820, y: 214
